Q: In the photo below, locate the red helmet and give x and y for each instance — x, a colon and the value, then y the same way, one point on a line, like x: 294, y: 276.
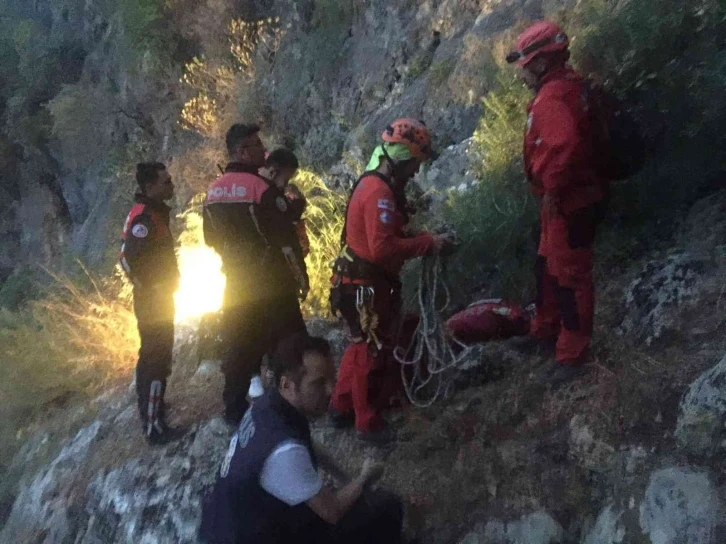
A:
x: 541, y: 37
x: 411, y: 133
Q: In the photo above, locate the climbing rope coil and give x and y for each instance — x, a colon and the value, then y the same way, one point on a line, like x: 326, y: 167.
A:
x: 429, y: 364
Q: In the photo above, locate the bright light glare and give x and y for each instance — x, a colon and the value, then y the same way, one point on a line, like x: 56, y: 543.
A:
x: 201, y: 286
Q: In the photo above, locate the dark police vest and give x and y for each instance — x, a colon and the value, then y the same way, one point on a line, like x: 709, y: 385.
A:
x: 239, y: 511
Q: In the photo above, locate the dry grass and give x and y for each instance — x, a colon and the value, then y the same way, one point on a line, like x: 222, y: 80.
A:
x: 68, y: 345
x: 324, y: 218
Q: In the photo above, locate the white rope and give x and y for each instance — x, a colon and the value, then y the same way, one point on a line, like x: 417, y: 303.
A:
x: 432, y: 367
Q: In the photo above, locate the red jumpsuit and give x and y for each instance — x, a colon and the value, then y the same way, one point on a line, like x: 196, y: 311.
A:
x: 558, y: 156
x: 374, y: 231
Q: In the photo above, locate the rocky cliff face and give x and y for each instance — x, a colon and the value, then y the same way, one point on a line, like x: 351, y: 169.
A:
x: 342, y: 72
x: 630, y: 453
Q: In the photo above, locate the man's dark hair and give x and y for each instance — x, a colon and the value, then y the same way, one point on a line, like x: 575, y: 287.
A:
x: 282, y: 158
x: 288, y: 356
x: 237, y: 133
x: 147, y: 173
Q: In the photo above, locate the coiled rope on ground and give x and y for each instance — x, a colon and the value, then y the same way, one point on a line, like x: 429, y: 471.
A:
x: 429, y: 364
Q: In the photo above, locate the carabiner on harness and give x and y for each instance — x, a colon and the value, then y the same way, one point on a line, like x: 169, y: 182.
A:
x: 365, y: 297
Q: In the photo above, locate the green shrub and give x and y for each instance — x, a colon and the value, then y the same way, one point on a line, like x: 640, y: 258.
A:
x: 440, y: 71
x: 332, y: 15
x: 495, y: 217
x: 19, y: 289
x: 663, y: 58
x: 419, y: 64
x: 495, y: 221
x: 324, y: 219
x: 146, y: 26
x: 498, y: 138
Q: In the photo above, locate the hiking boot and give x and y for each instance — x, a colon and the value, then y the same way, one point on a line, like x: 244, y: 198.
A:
x: 565, y: 373
x: 535, y: 347
x: 545, y: 372
x: 382, y: 437
x: 340, y: 420
x: 162, y: 434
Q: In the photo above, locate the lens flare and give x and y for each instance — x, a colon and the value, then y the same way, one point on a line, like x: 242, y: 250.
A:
x: 201, y: 285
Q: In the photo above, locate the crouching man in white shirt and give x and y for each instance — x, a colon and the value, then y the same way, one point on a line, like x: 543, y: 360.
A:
x: 269, y: 490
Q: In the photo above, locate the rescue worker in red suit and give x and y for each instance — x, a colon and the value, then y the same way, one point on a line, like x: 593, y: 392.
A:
x: 148, y: 258
x: 366, y: 276
x: 559, y: 161
x: 246, y: 221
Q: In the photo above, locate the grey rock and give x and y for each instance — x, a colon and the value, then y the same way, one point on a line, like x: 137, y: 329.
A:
x: 332, y: 331
x: 608, y: 528
x: 591, y: 453
x: 535, y: 528
x: 681, y: 506
x: 453, y: 169
x: 156, y: 497
x: 655, y: 298
x: 43, y: 505
x: 701, y: 427
x: 208, y: 370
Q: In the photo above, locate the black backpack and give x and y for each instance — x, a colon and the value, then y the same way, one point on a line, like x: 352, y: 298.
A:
x: 620, y: 149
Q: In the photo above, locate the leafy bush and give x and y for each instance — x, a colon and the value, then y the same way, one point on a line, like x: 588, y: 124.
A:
x: 495, y: 221
x: 17, y: 289
x: 440, y: 72
x: 664, y: 58
x: 144, y: 23
x: 498, y: 138
x: 324, y: 219
x: 494, y: 218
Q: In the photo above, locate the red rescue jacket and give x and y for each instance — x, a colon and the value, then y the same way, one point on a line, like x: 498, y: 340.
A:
x: 558, y: 144
x: 374, y: 227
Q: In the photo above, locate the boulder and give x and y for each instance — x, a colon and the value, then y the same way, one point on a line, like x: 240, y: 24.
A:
x: 42, y: 506
x: 155, y: 497
x: 158, y: 497
x: 701, y: 427
x: 608, y: 528
x: 655, y: 299
x: 681, y: 506
x: 535, y: 528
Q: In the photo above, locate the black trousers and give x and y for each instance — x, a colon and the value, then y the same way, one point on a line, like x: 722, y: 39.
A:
x: 376, y: 518
x: 154, y: 311
x: 251, y: 329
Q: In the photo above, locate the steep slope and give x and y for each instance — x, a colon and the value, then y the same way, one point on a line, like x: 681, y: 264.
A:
x: 609, y: 458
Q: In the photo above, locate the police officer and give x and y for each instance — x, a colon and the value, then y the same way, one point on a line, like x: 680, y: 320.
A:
x: 148, y: 258
x: 269, y: 489
x: 245, y: 221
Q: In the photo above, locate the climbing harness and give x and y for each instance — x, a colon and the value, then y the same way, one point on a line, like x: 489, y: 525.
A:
x: 364, y: 303
x: 430, y: 362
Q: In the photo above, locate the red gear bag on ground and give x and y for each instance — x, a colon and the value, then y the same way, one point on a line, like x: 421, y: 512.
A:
x: 492, y: 319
